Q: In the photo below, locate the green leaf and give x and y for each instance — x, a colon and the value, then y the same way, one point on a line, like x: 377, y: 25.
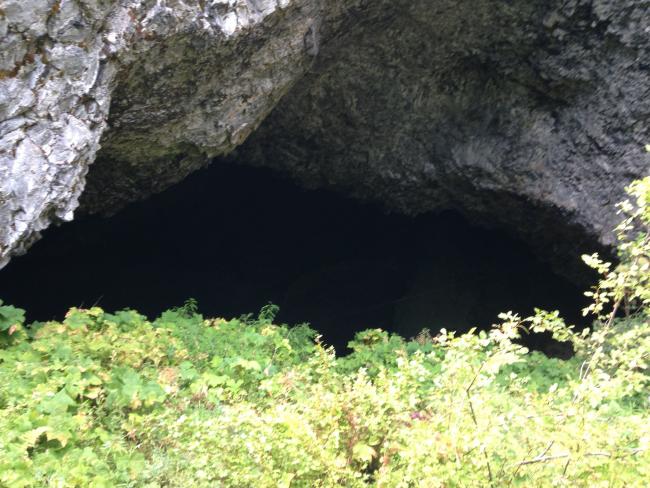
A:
x: 10, y: 318
x: 363, y: 452
x: 57, y: 404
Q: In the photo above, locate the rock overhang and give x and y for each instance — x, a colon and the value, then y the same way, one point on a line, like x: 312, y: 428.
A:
x: 528, y: 115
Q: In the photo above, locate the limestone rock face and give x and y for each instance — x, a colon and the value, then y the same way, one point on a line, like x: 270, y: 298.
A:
x: 531, y: 114
x: 186, y: 80
x: 54, y: 99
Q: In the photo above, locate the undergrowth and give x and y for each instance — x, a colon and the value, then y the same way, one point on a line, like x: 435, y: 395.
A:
x: 103, y: 400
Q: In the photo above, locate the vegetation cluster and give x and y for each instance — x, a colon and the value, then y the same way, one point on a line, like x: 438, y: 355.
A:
x: 113, y: 399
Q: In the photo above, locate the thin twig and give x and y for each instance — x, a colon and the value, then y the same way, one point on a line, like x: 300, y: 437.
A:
x: 469, y: 398
x: 566, y: 466
x: 548, y: 448
x: 612, y: 316
x: 584, y: 372
x: 543, y: 459
x: 471, y: 409
x: 475, y: 378
x: 633, y: 452
x: 519, y: 466
x: 598, y: 454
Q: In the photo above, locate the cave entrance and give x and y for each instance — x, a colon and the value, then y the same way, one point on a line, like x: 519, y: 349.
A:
x: 235, y: 238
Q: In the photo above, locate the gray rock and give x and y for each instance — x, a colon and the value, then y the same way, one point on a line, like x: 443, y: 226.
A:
x: 62, y: 61
x: 528, y: 114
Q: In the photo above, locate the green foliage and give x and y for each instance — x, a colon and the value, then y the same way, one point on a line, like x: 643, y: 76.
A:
x: 11, y: 323
x: 103, y: 400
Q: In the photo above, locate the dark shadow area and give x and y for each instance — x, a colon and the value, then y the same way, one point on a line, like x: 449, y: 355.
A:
x: 236, y: 238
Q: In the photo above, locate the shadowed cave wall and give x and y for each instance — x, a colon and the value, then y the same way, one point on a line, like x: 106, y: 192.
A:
x: 418, y: 105
x: 236, y: 238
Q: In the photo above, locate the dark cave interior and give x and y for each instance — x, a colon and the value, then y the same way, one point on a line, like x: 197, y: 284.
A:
x: 235, y: 238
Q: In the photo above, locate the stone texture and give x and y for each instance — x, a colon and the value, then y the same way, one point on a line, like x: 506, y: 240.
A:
x: 53, y: 104
x: 529, y: 114
x: 187, y: 80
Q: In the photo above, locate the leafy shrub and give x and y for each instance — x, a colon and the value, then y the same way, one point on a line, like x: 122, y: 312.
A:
x: 115, y: 400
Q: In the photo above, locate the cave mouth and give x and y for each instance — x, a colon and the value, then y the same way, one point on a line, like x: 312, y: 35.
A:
x: 236, y: 238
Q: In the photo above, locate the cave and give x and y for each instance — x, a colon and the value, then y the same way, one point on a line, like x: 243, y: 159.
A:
x: 402, y: 165
x: 525, y: 115
x: 236, y: 237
